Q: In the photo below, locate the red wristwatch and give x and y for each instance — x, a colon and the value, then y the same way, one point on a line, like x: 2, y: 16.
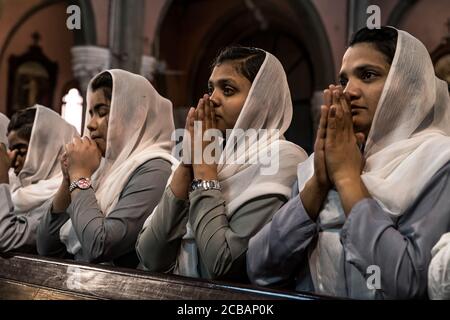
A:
x: 82, y: 183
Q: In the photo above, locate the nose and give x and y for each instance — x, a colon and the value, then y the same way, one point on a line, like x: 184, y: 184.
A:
x: 92, y: 125
x: 352, y: 90
x: 214, y: 98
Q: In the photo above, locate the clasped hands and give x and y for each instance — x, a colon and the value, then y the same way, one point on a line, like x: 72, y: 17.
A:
x: 337, y: 155
x: 80, y: 160
x: 199, y: 121
x: 338, y: 160
x: 191, y: 166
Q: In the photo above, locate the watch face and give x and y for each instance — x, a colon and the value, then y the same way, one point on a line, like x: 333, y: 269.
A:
x: 84, y: 184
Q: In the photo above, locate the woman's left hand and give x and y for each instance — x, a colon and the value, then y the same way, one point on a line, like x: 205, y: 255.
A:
x: 206, y: 168
x: 82, y: 158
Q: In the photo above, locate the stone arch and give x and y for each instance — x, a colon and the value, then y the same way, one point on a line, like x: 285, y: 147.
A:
x: 86, y: 36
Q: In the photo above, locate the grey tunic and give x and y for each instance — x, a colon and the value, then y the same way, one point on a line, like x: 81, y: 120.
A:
x: 278, y: 254
x: 18, y: 230
x: 111, y: 238
x: 222, y: 242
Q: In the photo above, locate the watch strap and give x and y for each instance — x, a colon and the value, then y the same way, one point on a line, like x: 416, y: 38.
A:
x: 205, y: 185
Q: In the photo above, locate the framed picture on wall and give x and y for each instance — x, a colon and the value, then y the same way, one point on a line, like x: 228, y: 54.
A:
x: 32, y: 79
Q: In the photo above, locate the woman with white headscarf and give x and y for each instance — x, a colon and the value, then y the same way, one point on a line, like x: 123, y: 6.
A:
x: 364, y: 224
x: 208, y: 213
x: 103, y: 202
x: 37, y: 136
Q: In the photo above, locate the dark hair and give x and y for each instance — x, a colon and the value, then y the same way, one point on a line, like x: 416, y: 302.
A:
x: 384, y: 40
x: 248, y: 60
x: 103, y: 81
x: 22, y: 122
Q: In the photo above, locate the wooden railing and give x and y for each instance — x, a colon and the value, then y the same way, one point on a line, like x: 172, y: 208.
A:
x: 33, y: 278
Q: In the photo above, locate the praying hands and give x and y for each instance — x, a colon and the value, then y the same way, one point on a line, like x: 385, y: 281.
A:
x: 337, y: 158
x: 82, y: 158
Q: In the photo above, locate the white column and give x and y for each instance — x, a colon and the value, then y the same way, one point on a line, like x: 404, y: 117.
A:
x: 88, y: 61
x: 149, y: 66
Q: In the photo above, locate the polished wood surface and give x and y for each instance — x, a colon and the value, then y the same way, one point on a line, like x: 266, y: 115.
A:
x: 32, y: 277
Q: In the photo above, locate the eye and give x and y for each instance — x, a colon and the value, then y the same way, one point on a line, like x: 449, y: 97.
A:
x: 21, y: 152
x: 228, y: 91
x: 343, y: 82
x: 102, y: 112
x: 210, y: 90
x: 368, y: 75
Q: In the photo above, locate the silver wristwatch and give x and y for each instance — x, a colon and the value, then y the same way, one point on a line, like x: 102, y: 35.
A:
x: 205, y: 185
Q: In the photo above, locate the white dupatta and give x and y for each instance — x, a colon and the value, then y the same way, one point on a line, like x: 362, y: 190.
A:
x: 41, y: 175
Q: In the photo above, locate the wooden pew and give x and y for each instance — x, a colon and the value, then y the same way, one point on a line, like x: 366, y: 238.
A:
x: 28, y: 277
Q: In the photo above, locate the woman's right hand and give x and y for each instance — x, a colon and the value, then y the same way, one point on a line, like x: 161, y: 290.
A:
x: 183, y: 175
x: 323, y: 181
x: 65, y: 168
x: 188, y: 152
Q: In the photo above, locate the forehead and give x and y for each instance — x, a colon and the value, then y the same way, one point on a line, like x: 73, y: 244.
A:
x: 226, y: 70
x: 363, y: 54
x: 97, y: 97
x: 14, y: 138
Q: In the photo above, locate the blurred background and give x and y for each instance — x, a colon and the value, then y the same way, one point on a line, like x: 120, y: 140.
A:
x: 173, y: 42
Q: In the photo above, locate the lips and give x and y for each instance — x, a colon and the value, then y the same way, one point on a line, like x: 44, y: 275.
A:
x: 355, y: 109
x: 96, y: 137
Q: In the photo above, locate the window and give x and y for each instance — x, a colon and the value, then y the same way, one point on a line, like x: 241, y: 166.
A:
x: 72, y: 108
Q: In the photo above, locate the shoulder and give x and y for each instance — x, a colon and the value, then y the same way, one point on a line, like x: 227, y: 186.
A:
x: 155, y: 170
x: 152, y: 165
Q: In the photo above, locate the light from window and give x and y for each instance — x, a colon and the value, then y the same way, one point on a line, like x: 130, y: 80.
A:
x: 72, y: 108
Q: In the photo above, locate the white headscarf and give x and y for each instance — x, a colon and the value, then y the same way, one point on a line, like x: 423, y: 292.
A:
x: 268, y: 106
x: 139, y: 129
x: 41, y: 174
x: 439, y: 270
x: 407, y: 144
x: 4, y: 121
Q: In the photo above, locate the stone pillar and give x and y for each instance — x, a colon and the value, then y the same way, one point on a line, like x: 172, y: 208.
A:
x: 88, y: 61
x: 126, y: 34
x: 357, y: 16
x: 149, y: 65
